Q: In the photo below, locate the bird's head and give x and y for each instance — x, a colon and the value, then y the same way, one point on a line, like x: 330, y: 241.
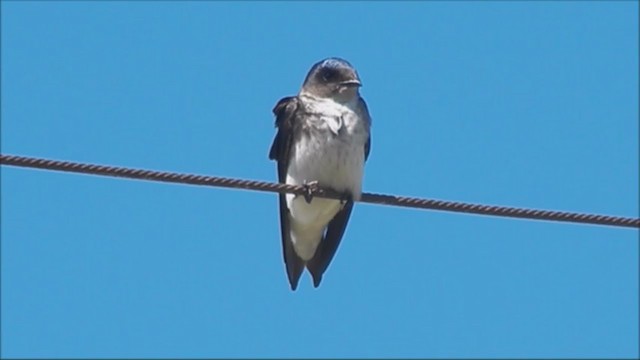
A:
x: 332, y: 78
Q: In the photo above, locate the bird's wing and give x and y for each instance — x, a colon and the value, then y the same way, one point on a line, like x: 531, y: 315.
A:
x: 364, y: 111
x: 286, y: 111
x: 329, y: 245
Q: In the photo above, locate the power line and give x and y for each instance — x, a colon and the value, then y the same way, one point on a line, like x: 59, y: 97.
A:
x: 431, y: 204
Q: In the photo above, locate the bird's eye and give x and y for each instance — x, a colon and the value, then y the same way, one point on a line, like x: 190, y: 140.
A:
x: 328, y: 74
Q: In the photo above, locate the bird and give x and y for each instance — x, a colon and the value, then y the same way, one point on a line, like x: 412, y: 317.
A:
x: 323, y: 139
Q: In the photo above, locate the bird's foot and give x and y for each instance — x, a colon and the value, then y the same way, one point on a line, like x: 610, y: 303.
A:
x: 310, y: 187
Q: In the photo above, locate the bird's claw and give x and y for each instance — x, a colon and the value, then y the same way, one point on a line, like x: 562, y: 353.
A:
x: 309, y: 189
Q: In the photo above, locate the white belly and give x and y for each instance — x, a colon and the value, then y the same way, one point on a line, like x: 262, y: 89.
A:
x: 331, y: 161
x: 334, y: 157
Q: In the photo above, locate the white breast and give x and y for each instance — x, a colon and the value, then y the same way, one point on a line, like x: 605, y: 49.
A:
x: 334, y: 153
x: 334, y: 157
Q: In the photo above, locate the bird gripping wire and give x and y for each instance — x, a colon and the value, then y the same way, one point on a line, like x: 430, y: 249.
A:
x: 430, y: 204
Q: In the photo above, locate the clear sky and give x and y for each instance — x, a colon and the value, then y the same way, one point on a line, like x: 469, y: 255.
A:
x: 529, y: 104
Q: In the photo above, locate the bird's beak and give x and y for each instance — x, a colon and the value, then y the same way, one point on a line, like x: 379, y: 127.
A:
x: 351, y: 83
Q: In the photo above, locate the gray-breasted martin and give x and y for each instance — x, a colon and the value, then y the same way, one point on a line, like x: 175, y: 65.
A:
x: 323, y: 139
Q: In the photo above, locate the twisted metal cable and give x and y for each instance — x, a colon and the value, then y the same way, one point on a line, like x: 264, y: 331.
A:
x: 431, y: 204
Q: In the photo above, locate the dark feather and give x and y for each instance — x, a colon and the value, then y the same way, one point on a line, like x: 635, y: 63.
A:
x: 329, y: 244
x: 367, y: 148
x: 365, y: 113
x: 285, y: 111
x: 293, y: 263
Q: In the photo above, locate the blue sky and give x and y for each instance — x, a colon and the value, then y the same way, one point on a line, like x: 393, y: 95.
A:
x: 529, y: 104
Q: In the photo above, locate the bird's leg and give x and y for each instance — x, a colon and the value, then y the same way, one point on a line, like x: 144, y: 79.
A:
x: 310, y: 187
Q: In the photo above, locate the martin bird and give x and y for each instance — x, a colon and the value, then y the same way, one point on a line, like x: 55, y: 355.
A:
x: 323, y: 140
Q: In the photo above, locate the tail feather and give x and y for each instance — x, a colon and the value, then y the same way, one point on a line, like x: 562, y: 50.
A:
x: 295, y: 266
x: 298, y: 255
x: 329, y: 244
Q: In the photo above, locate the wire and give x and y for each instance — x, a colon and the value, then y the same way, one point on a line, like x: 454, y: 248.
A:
x: 431, y: 204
